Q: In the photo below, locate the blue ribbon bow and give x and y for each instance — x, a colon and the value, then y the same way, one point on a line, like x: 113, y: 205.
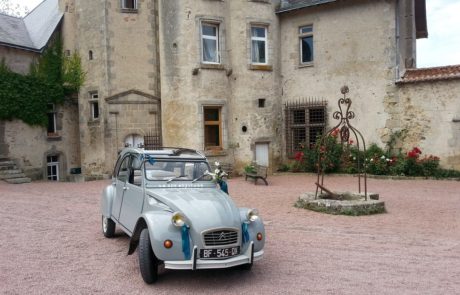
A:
x: 223, y: 186
x: 185, y: 242
x: 244, y: 228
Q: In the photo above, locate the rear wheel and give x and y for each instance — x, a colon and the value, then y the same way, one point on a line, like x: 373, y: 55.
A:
x: 108, y: 227
x: 148, y: 263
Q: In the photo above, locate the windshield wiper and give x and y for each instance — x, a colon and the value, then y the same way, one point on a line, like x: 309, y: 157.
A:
x: 201, y: 176
x: 175, y: 177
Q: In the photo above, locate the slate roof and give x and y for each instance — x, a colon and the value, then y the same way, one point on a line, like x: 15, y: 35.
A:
x: 431, y: 74
x: 288, y: 5
x: 33, y: 31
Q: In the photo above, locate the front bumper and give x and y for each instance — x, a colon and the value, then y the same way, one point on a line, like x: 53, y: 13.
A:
x: 246, y: 258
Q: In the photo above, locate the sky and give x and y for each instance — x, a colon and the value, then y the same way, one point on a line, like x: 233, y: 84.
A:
x: 441, y: 48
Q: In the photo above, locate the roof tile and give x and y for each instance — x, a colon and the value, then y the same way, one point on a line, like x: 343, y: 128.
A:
x: 431, y: 74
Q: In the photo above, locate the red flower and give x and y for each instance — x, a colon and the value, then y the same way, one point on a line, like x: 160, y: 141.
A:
x: 416, y: 150
x: 350, y: 141
x: 412, y: 155
x: 298, y: 156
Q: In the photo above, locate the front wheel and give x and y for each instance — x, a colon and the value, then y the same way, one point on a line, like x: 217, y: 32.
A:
x: 108, y: 227
x: 148, y: 263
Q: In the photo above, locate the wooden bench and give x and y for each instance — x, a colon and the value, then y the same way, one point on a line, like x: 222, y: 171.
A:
x: 260, y: 173
x: 226, y: 167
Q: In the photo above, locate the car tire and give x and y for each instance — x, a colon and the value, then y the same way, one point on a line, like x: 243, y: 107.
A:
x: 148, y: 263
x: 247, y: 266
x: 108, y: 227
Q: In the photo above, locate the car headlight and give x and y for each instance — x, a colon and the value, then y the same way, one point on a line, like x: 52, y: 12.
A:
x: 178, y: 219
x: 252, y: 215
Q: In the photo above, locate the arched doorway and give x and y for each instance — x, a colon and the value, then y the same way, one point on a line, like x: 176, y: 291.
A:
x: 134, y: 140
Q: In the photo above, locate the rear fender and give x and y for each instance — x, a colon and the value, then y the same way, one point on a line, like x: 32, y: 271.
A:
x: 107, y: 200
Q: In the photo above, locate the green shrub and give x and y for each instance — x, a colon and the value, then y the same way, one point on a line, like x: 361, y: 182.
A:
x: 250, y: 168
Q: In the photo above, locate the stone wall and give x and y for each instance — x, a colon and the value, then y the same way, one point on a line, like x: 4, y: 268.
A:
x: 29, y: 146
x: 354, y: 45
x: 119, y: 54
x: 234, y: 85
x: 17, y: 60
x: 430, y: 113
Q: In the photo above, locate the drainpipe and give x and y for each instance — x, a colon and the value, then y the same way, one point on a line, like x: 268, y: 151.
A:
x: 398, y: 40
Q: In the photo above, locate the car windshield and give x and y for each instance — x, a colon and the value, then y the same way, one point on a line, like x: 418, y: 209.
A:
x: 180, y: 170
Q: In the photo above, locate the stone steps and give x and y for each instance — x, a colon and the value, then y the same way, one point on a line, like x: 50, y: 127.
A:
x: 10, y: 173
x: 6, y: 165
x: 18, y: 180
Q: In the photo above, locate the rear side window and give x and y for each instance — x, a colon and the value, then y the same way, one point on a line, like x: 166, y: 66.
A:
x: 123, y: 171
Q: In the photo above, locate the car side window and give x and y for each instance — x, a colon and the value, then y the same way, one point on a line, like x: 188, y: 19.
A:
x: 123, y: 172
x: 135, y: 176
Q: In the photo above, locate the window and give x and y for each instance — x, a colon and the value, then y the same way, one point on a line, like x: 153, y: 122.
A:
x: 52, y: 168
x: 259, y: 45
x: 94, y: 105
x: 212, y: 128
x: 123, y: 171
x: 306, y: 44
x: 51, y: 120
x: 261, y: 102
x: 176, y: 170
x: 90, y: 55
x: 305, y: 123
x: 210, y: 43
x: 129, y: 4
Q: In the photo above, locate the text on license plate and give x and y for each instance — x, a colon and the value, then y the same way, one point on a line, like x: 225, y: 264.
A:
x: 219, y: 253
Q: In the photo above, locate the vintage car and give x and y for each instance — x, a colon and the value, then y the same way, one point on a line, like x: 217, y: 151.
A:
x: 172, y: 208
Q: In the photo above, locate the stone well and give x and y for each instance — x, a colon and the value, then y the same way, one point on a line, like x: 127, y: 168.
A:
x: 344, y: 203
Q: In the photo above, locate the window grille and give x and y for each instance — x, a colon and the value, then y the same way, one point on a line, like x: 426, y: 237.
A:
x: 305, y: 122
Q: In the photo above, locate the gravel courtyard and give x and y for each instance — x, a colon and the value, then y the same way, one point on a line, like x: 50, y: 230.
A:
x: 51, y: 243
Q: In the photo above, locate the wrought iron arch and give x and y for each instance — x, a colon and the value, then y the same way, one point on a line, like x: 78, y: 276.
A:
x: 345, y: 130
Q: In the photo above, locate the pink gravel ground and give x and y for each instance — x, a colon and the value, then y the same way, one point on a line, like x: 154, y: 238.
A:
x: 51, y: 243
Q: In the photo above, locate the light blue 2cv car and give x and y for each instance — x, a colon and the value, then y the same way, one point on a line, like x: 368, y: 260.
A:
x: 167, y: 202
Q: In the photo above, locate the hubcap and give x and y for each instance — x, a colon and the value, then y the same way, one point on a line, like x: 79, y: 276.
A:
x: 104, y: 224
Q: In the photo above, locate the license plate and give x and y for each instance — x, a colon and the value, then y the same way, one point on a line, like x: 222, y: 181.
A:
x: 219, y: 253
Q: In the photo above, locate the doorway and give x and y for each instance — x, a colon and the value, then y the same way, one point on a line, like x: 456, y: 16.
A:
x: 262, y: 155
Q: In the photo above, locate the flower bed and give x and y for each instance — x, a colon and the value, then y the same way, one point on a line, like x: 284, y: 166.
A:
x: 339, y: 157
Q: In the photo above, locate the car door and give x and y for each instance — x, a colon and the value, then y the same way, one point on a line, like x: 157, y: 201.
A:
x: 133, y: 197
x: 121, y: 177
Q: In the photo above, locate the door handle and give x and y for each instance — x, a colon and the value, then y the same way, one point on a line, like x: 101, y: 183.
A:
x: 125, y: 188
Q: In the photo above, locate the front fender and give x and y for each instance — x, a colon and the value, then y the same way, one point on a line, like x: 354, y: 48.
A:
x: 254, y: 228
x: 160, y: 229
x: 108, y: 194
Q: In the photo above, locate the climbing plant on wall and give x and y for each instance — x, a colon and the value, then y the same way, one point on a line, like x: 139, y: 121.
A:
x: 26, y: 97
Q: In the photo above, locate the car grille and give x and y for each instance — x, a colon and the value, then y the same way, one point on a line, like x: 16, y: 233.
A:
x: 220, y: 237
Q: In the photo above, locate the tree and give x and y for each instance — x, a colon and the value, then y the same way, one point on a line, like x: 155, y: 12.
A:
x: 10, y: 8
